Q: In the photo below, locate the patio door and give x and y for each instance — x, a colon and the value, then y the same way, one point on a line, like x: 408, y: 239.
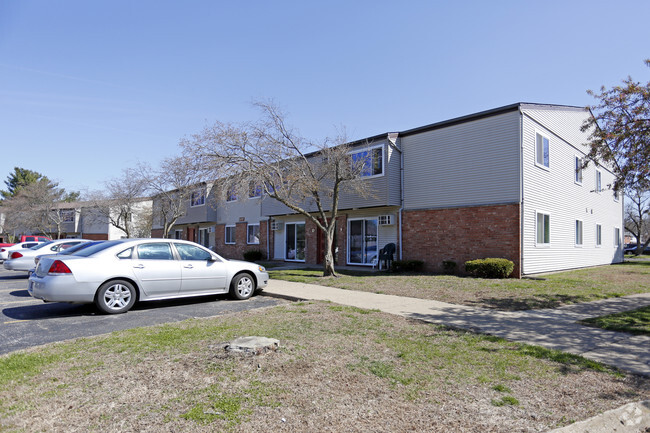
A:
x: 362, y: 241
x: 294, y: 242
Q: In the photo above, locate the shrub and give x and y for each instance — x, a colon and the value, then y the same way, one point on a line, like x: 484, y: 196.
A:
x: 449, y: 267
x: 253, y: 255
x: 407, y: 266
x: 490, y: 268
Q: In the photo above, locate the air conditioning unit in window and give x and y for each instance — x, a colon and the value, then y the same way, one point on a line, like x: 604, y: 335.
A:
x: 385, y: 220
x: 277, y: 225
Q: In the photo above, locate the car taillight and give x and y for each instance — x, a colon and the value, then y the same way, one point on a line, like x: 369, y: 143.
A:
x: 59, y: 268
x: 16, y: 255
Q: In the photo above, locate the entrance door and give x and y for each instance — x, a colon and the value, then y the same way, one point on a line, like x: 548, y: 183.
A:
x: 294, y: 242
x: 362, y: 241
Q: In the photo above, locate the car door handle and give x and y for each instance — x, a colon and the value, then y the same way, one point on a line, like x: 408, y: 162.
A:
x: 188, y: 267
x: 138, y: 266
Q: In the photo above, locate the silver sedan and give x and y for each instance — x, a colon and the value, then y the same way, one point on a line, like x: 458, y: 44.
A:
x: 23, y: 260
x: 115, y: 274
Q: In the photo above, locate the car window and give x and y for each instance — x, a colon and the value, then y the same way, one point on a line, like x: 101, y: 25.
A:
x: 191, y: 252
x: 46, y: 244
x: 126, y: 254
x: 156, y: 251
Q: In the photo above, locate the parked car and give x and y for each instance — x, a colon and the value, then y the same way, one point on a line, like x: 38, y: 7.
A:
x: 5, y: 251
x: 67, y: 251
x: 27, y: 238
x: 115, y: 274
x: 23, y: 260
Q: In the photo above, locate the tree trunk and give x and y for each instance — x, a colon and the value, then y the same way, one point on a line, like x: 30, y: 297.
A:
x: 328, y: 263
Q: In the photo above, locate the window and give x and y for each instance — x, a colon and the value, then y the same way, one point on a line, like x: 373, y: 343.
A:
x: 543, y: 229
x: 230, y: 235
x: 578, y: 171
x: 599, y: 181
x: 255, y: 191
x: 192, y: 252
x: 155, y: 251
x: 599, y: 235
x: 578, y: 233
x: 617, y: 237
x: 231, y: 194
x: 295, y: 242
x: 253, y: 234
x: 178, y: 234
x: 542, y: 150
x: 67, y: 216
x: 372, y: 161
x: 197, y: 198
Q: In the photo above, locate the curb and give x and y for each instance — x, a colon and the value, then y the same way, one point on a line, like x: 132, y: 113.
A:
x: 631, y: 418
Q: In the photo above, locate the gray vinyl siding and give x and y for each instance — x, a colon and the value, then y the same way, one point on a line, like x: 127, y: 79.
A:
x: 203, y: 213
x: 243, y: 209
x: 467, y: 164
x: 553, y: 191
x: 383, y: 190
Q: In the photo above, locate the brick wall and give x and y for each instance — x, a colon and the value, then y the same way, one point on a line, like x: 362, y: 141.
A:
x: 462, y: 234
x: 157, y: 233
x: 236, y: 250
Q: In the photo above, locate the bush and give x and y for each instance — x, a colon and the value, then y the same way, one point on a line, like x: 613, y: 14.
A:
x: 253, y: 255
x: 449, y: 267
x: 490, y: 268
x: 407, y: 266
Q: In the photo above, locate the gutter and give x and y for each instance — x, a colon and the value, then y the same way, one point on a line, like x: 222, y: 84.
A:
x: 392, y: 141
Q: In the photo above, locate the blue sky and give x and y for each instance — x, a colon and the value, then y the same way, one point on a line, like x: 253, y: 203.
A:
x: 88, y: 88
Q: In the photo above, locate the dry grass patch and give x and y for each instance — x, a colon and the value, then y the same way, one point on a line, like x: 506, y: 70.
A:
x: 338, y: 369
x: 550, y: 291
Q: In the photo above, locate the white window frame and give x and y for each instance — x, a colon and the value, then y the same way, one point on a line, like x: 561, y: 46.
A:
x: 617, y: 237
x: 537, y: 243
x: 599, y: 235
x: 256, y: 190
x: 578, y: 174
x: 248, y: 234
x: 370, y: 151
x: 233, y: 241
x: 599, y: 181
x: 67, y: 215
x: 579, y: 233
x: 539, y: 163
x: 197, y: 198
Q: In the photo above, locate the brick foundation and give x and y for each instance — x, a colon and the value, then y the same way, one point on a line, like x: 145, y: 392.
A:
x: 462, y: 234
x: 236, y: 251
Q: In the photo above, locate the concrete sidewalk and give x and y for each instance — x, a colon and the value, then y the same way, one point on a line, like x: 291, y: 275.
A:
x: 552, y: 328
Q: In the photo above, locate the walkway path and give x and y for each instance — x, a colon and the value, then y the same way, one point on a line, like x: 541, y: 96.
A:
x: 551, y: 328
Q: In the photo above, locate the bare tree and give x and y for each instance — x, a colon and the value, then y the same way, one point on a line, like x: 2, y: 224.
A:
x: 637, y: 217
x: 306, y: 177
x: 171, y: 186
x: 121, y: 201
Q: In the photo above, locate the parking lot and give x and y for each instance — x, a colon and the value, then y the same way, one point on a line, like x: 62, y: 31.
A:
x: 26, y: 322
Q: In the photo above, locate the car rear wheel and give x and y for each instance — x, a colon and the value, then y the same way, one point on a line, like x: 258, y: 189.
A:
x: 242, y: 286
x: 115, y: 297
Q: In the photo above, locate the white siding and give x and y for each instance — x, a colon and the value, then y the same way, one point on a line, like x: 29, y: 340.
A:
x: 554, y: 191
x: 472, y: 163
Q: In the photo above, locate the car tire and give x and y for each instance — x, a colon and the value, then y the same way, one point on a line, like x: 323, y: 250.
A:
x: 242, y: 286
x: 115, y: 297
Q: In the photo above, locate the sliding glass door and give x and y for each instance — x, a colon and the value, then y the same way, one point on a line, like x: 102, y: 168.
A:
x: 362, y: 241
x: 294, y: 242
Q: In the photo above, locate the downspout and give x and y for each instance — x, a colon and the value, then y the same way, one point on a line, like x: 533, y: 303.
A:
x: 268, y: 239
x: 392, y: 140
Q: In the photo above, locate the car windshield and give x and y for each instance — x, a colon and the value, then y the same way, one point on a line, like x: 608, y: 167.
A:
x: 81, y: 246
x: 100, y: 246
x: 39, y: 246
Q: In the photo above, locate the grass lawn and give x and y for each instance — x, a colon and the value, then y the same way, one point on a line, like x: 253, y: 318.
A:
x: 549, y: 291
x: 634, y: 322
x: 338, y: 369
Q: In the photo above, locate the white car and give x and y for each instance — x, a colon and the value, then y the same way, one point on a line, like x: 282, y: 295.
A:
x: 115, y: 274
x: 23, y: 260
x: 5, y: 251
